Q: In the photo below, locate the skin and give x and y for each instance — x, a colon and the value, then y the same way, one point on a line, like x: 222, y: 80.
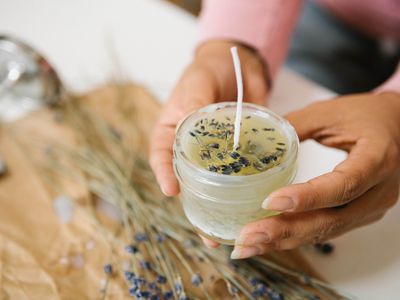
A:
x: 359, y: 191
x: 209, y: 78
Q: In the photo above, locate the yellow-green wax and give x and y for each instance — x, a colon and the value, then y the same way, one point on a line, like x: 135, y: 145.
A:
x: 210, y: 144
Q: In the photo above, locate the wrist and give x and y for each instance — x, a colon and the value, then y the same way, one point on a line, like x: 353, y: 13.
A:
x: 220, y: 51
x: 217, y: 48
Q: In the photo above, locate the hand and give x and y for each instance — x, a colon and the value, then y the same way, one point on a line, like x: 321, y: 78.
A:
x: 209, y: 78
x: 357, y: 192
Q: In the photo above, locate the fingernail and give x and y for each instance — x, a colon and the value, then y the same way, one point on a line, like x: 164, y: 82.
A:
x: 243, y: 252
x: 278, y: 203
x: 163, y: 191
x: 208, y: 245
x: 252, y: 239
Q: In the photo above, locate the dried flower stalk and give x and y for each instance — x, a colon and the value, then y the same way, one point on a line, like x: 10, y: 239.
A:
x: 168, y: 260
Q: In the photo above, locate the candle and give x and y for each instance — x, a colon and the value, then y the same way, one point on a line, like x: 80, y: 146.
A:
x: 222, y: 187
x: 262, y: 145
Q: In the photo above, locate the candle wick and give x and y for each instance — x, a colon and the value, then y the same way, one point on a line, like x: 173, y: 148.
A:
x: 239, y: 104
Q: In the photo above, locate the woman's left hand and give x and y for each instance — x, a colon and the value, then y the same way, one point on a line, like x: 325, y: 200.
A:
x: 359, y: 191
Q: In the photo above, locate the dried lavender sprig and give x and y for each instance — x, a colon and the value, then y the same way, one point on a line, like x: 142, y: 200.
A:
x: 152, y: 249
x: 185, y: 263
x: 312, y: 281
x: 118, y: 174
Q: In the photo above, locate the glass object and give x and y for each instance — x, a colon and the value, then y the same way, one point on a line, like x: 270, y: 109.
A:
x: 222, y: 188
x: 27, y: 80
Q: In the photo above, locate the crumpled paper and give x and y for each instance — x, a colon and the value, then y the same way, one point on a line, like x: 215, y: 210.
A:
x: 43, y: 256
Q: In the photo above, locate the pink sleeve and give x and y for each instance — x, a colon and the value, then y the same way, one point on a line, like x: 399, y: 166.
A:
x: 392, y: 84
x: 265, y: 25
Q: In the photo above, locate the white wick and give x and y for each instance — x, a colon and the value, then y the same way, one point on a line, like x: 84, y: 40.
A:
x: 239, y: 84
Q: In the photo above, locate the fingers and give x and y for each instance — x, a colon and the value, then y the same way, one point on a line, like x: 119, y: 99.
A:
x: 350, y: 179
x: 208, y: 79
x: 308, y: 232
x: 192, y: 92
x: 255, y: 83
x: 300, y: 228
x: 209, y: 243
x: 366, y: 165
x: 161, y: 158
x: 307, y: 121
x: 241, y: 252
x: 289, y: 231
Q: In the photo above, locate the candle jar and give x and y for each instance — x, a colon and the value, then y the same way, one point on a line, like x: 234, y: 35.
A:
x: 219, y: 197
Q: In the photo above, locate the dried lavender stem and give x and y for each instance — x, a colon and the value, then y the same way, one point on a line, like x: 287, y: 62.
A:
x: 102, y: 158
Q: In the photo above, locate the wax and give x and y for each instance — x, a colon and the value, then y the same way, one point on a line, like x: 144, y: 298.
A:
x: 222, y: 188
x: 211, y: 144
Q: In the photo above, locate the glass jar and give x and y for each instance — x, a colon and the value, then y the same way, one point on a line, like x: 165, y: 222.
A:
x: 219, y: 205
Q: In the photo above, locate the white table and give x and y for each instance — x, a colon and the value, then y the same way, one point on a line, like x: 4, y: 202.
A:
x: 151, y: 41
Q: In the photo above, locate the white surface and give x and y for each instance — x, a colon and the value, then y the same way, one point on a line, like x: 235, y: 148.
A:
x: 91, y: 41
x: 151, y: 42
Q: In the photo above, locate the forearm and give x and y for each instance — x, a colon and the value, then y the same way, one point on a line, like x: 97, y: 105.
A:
x: 265, y: 25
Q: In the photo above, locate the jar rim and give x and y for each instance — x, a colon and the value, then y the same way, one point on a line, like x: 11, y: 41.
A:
x: 289, y: 132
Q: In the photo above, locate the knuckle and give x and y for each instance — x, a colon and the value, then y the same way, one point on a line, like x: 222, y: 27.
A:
x: 352, y: 186
x: 321, y: 231
x: 279, y: 230
x: 291, y: 244
x: 286, y: 233
x: 379, y: 217
x: 351, y: 189
x: 311, y: 200
x: 390, y: 193
x: 331, y: 225
x: 257, y: 88
x: 370, y: 219
x: 318, y: 238
x: 307, y: 197
x: 276, y: 245
x: 393, y: 156
x: 391, y: 199
x: 262, y: 248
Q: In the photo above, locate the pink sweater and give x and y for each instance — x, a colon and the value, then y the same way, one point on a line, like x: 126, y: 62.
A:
x: 266, y: 25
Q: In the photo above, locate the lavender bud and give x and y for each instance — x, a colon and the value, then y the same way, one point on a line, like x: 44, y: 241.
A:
x: 168, y: 295
x: 160, y: 238
x: 178, y: 288
x: 108, y: 269
x: 131, y: 249
x: 141, y: 237
x: 161, y: 279
x: 196, y: 280
x: 145, y: 265
x: 129, y: 275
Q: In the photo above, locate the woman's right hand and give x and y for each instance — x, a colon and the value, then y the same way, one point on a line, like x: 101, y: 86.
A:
x: 209, y: 78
